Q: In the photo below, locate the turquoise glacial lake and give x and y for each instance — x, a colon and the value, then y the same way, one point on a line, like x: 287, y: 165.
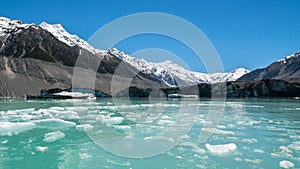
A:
x: 155, y: 134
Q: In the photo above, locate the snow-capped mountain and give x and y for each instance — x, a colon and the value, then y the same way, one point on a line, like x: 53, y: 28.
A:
x: 287, y: 68
x: 173, y: 74
x: 167, y: 71
x: 72, y: 40
x: 8, y: 26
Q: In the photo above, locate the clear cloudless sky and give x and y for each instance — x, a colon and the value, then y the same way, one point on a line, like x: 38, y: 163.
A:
x: 248, y: 34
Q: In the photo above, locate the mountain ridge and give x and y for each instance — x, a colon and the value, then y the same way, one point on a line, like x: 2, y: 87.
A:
x: 287, y: 68
x: 44, y: 56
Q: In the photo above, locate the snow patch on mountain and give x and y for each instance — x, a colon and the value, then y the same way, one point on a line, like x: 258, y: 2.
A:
x: 227, y: 76
x: 61, y: 34
x: 175, y: 75
x: 288, y: 58
x: 8, y: 26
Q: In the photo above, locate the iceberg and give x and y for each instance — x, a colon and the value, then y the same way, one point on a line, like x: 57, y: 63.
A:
x: 221, y: 149
x: 10, y: 128
x: 53, y: 123
x: 286, y: 164
x: 53, y: 136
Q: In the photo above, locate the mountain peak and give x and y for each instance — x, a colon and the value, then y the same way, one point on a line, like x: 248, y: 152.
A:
x: 61, y: 34
x: 240, y: 70
x: 8, y: 26
x: 289, y: 57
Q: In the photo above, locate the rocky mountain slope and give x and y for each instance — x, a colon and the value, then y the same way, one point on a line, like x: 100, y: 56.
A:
x: 34, y: 57
x: 287, y: 68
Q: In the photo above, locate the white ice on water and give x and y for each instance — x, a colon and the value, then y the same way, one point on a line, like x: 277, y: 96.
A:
x: 14, y: 128
x: 53, y: 136
x: 221, y: 148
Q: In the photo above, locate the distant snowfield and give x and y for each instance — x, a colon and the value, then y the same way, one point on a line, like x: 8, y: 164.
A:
x: 175, y: 75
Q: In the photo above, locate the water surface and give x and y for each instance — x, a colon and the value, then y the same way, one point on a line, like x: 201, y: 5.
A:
x: 253, y: 133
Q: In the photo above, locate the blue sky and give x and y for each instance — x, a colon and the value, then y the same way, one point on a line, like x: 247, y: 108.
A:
x: 248, y: 34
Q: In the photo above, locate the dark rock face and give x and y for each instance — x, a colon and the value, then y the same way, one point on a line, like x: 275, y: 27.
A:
x: 262, y: 88
x: 34, y: 42
x: 32, y: 59
x: 285, y: 69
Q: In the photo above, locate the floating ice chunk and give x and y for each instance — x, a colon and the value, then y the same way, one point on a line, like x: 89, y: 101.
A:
x: 19, y: 111
x: 179, y: 157
x: 122, y: 127
x: 84, y: 127
x: 41, y: 149
x: 238, y: 159
x: 53, y: 136
x: 260, y: 151
x: 286, y: 164
x: 84, y: 156
x: 254, y: 161
x: 76, y: 95
x: 194, y: 147
x: 221, y: 149
x: 249, y: 141
x: 123, y: 163
x: 54, y: 123
x: 164, y: 122
x: 217, y: 131
x: 110, y: 120
x: 165, y: 117
x: 57, y: 108
x: 285, y: 150
x: 9, y: 128
x: 221, y: 126
x: 295, y: 145
x: 4, y: 142
x: 27, y: 117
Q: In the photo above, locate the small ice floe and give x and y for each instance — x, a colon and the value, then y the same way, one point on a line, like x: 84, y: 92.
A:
x: 254, y: 161
x: 126, y: 164
x: 259, y: 151
x: 4, y: 142
x: 63, y: 114
x: 122, y: 127
x: 165, y: 122
x: 110, y: 120
x: 84, y: 127
x: 194, y: 147
x: 53, y: 123
x: 249, y: 141
x: 286, y: 164
x: 53, y: 136
x: 76, y: 95
x: 10, y: 128
x: 182, y: 96
x: 178, y: 157
x: 217, y: 131
x: 221, y: 149
x: 295, y: 145
x: 283, y: 152
x: 84, y: 156
x: 41, y: 149
x: 238, y: 159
